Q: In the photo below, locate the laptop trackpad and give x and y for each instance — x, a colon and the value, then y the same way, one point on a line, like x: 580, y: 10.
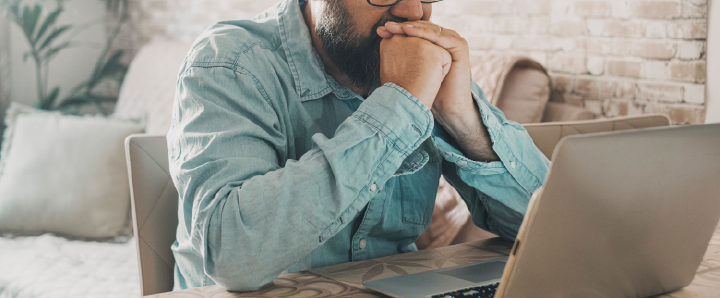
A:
x: 477, y: 273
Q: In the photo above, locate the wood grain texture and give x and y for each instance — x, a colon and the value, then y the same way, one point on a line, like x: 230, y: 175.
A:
x: 344, y: 280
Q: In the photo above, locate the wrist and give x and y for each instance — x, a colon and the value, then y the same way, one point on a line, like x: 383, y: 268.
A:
x: 470, y: 133
x: 460, y: 121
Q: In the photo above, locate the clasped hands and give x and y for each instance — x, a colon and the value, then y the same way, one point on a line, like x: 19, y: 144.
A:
x: 430, y: 62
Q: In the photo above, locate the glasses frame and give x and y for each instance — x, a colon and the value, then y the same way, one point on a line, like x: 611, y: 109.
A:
x: 398, y: 1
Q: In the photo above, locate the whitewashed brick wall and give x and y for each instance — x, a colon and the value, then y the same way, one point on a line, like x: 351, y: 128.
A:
x: 614, y: 57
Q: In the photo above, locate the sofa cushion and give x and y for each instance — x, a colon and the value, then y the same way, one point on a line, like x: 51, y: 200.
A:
x: 517, y: 85
x: 64, y: 174
x: 149, y: 86
x: 559, y: 112
x: 525, y: 94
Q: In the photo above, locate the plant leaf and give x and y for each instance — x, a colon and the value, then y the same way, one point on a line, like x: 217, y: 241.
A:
x: 100, y: 108
x: 112, y: 68
x: 83, y: 99
x: 53, y: 35
x: 80, y: 86
x: 30, y: 20
x: 13, y: 9
x: 49, y: 21
x: 73, y: 101
x: 112, y: 65
x: 50, y: 54
x: 48, y: 102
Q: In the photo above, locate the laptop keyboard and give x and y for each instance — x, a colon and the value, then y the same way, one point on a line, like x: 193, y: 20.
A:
x: 487, y: 291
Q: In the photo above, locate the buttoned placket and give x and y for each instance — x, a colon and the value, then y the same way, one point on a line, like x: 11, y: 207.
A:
x: 373, y: 214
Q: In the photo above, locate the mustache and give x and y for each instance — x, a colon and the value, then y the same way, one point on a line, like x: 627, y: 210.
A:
x: 382, y: 22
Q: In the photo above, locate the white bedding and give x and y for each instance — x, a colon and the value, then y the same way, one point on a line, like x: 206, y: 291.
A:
x: 51, y: 266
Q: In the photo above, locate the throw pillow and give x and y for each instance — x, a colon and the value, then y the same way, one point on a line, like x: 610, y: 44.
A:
x: 64, y: 174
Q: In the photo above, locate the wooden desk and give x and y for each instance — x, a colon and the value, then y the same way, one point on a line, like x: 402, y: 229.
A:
x: 344, y: 280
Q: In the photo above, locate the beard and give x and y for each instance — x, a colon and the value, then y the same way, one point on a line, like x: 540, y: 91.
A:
x: 354, y: 54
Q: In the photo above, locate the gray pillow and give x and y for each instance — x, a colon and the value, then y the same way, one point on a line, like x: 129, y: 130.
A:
x: 64, y: 174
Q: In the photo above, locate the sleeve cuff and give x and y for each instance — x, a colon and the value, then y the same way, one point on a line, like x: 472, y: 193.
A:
x: 513, y: 156
x: 397, y: 115
x: 449, y: 148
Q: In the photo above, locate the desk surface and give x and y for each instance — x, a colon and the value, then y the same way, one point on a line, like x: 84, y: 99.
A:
x: 344, y: 280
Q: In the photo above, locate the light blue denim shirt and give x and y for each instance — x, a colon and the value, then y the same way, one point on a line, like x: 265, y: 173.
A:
x: 281, y: 169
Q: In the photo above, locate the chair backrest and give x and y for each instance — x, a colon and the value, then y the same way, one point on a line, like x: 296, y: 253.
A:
x: 547, y: 135
x: 155, y: 207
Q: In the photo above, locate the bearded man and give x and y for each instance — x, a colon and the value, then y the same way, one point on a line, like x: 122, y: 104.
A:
x: 316, y: 134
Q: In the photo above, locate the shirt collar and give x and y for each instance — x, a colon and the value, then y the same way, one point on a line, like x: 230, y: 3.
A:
x: 311, y: 80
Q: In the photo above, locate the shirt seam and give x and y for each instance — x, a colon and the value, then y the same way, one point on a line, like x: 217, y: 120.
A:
x: 357, y: 197
x: 379, y: 131
x: 239, y: 70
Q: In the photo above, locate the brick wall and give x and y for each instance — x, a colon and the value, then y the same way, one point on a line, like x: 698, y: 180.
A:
x: 614, y: 57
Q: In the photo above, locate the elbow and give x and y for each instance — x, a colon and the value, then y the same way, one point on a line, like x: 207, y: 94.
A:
x: 235, y: 282
x: 233, y: 274
x: 248, y: 285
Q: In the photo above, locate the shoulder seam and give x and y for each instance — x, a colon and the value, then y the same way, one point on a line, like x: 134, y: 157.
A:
x: 239, y: 70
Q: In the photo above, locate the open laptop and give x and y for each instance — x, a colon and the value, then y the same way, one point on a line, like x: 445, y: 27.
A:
x: 622, y: 214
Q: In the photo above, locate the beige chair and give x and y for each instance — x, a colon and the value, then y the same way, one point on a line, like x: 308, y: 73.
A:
x: 547, y: 135
x: 154, y: 210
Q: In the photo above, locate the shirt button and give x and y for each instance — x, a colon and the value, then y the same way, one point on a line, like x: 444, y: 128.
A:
x: 363, y: 243
x: 373, y: 187
x: 512, y: 164
x: 462, y: 162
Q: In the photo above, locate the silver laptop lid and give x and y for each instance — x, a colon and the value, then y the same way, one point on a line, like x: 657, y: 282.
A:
x: 623, y: 214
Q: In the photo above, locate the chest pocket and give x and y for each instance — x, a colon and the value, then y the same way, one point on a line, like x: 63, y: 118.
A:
x: 418, y: 190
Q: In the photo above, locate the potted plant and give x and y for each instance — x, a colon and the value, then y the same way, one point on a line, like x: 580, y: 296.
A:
x: 47, y: 38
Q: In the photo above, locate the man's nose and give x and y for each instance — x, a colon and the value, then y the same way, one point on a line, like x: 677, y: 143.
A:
x: 409, y: 9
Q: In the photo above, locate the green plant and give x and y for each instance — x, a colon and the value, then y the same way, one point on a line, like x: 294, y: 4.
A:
x: 47, y: 38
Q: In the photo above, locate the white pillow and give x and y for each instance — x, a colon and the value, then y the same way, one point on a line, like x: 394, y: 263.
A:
x: 64, y: 174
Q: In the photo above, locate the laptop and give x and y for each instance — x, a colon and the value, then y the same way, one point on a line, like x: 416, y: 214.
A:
x: 622, y: 214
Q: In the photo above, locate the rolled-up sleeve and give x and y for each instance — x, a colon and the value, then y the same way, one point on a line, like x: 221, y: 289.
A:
x: 497, y: 193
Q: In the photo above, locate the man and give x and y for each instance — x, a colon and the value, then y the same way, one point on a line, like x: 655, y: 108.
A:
x: 316, y: 134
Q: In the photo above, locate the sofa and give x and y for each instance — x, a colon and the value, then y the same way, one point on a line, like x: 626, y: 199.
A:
x: 52, y: 266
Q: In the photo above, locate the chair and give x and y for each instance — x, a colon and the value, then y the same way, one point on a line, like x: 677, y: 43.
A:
x: 547, y: 135
x: 154, y: 209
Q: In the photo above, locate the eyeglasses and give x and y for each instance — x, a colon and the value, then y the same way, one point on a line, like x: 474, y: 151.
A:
x: 386, y: 3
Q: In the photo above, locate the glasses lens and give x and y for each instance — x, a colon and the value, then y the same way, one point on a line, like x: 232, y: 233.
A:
x: 393, y: 2
x: 383, y: 2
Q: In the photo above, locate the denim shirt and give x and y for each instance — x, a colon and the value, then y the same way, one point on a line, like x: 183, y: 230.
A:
x: 279, y: 168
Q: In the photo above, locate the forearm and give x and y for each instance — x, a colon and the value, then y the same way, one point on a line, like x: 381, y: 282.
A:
x: 470, y: 133
x: 496, y: 192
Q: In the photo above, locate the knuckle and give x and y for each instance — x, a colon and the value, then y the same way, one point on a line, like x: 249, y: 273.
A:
x: 462, y: 40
